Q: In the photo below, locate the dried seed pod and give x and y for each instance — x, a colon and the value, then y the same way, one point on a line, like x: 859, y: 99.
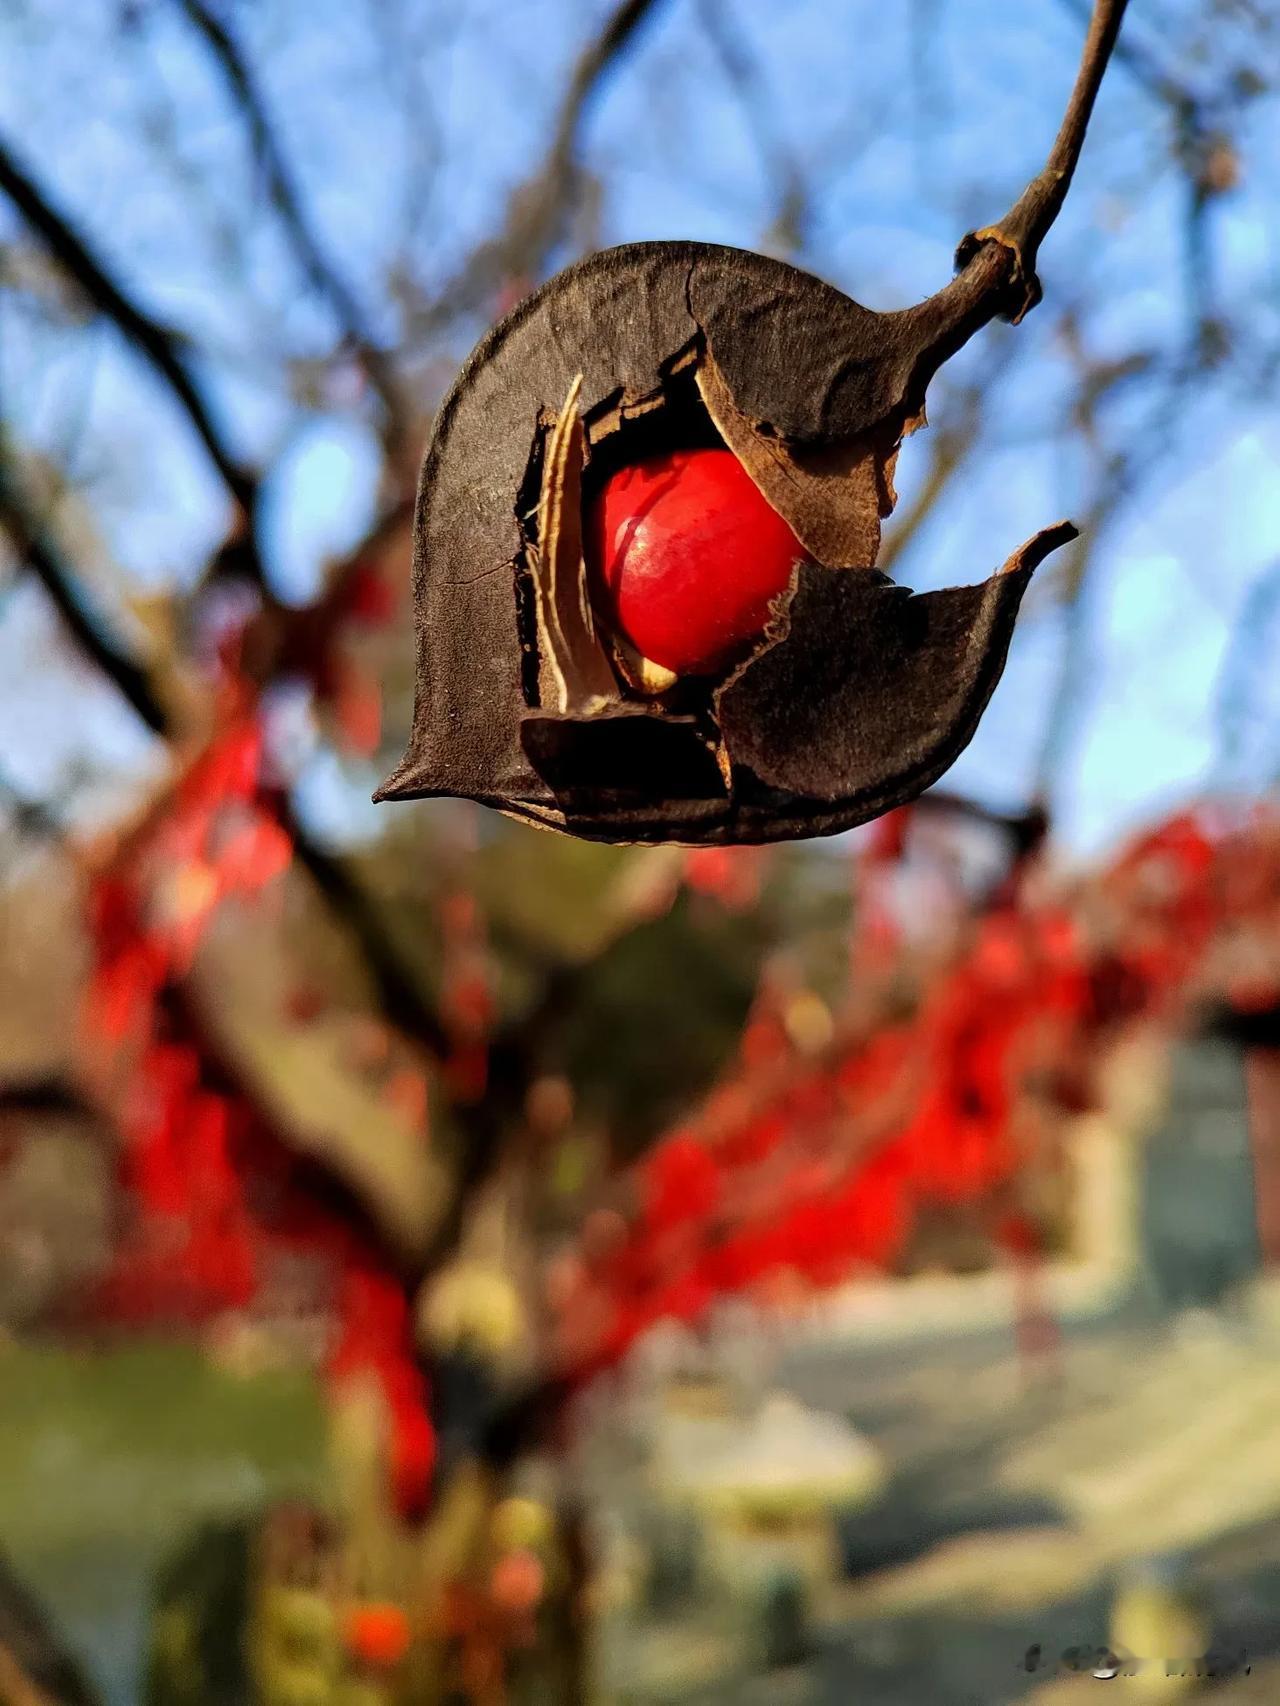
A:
x: 855, y: 697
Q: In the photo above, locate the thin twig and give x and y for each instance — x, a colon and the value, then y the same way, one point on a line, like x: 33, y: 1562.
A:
x: 1142, y: 66
x: 1194, y: 138
x: 402, y: 1001
x: 515, y: 1050
x: 951, y: 440
x: 288, y: 204
x: 743, y: 77
x: 150, y: 338
x: 536, y: 210
x: 1246, y: 669
x: 1029, y: 220
x: 1072, y: 672
x: 1116, y: 481
x: 89, y: 634
x: 27, y: 816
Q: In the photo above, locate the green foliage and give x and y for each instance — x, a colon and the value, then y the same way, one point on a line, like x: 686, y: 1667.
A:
x: 660, y: 1015
x: 553, y: 895
x: 197, y: 1653
x: 149, y: 1438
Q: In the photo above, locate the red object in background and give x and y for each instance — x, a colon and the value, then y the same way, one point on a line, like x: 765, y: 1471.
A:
x: 413, y: 1441
x: 369, y: 597
x: 730, y: 875
x: 686, y: 557
x: 358, y: 711
x: 377, y: 1635
x: 517, y: 1582
x: 886, y: 837
x: 681, y: 1182
x: 804, y: 1172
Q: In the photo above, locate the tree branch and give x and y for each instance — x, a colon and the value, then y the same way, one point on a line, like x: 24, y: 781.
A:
x: 28, y: 817
x: 1073, y: 670
x: 310, y: 1174
x: 97, y: 645
x: 515, y: 1049
x: 153, y: 341
x: 1246, y: 670
x: 42, y: 1097
x: 752, y: 96
x: 1187, y: 108
x: 403, y: 1003
x: 317, y: 266
x: 536, y: 210
x: 1029, y: 220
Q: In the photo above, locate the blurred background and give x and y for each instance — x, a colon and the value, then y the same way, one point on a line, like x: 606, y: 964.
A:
x: 444, y: 1262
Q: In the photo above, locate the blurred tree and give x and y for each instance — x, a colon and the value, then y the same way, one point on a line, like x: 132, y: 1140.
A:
x: 242, y: 253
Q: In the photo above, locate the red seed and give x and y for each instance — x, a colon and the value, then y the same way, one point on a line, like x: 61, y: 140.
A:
x: 686, y: 556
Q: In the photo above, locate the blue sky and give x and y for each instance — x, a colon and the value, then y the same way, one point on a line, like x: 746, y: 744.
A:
x: 406, y: 124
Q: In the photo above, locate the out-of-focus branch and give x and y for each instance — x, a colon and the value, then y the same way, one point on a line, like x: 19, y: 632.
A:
x: 94, y: 641
x: 317, y: 1177
x: 1248, y: 664
x: 149, y: 337
x: 515, y: 1054
x: 1072, y: 674
x: 537, y: 212
x: 318, y: 267
x: 951, y: 444
x: 410, y: 1008
x: 1110, y: 488
x: 952, y: 439
x: 403, y: 1003
x: 743, y: 76
x: 516, y: 1050
x: 28, y: 817
x: 41, y: 1097
x: 1203, y: 153
x: 1117, y: 475
x: 589, y: 71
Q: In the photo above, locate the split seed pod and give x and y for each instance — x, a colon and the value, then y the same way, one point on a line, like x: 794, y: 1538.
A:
x: 858, y: 694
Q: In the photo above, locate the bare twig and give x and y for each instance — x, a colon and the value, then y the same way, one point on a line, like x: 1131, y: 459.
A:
x: 951, y: 441
x: 950, y: 445
x: 318, y: 267
x: 1247, y: 667
x: 402, y: 1001
x: 743, y: 77
x: 1072, y: 672
x: 1198, y: 142
x: 148, y: 336
x: 1146, y: 71
x: 1029, y: 220
x: 592, y: 65
x: 1116, y: 480
x: 538, y: 208
x: 114, y: 662
x: 29, y: 817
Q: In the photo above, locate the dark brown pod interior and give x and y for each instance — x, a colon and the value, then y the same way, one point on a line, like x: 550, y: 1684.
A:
x: 858, y: 696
